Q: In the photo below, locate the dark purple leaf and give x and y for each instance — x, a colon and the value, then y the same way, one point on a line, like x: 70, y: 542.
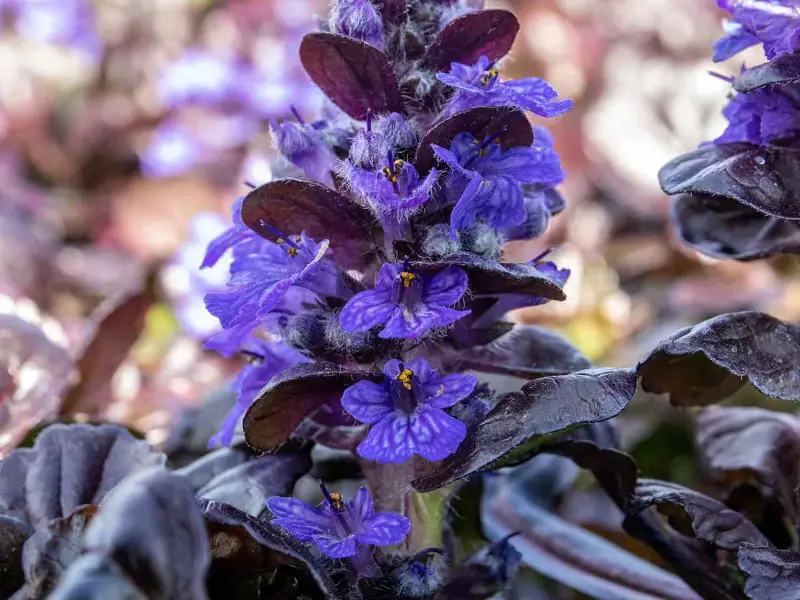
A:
x: 706, y: 363
x: 746, y: 444
x: 543, y: 408
x: 356, y: 77
x: 483, y: 575
x: 207, y: 467
x: 77, y: 465
x: 13, y: 534
x: 526, y: 351
x: 575, y: 557
x: 248, y: 486
x: 48, y: 371
x: 291, y: 397
x: 245, y: 545
x: 781, y: 70
x: 464, y: 40
x: 510, y: 125
x: 340, y: 437
x: 723, y: 228
x: 50, y: 551
x: 711, y: 520
x: 488, y: 277
x: 151, y: 526
x: 293, y: 206
x: 763, y: 178
x: 96, y: 578
x: 771, y: 574
x: 115, y: 329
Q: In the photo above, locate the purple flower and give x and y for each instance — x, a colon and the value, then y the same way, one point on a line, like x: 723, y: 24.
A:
x: 358, y: 19
x: 338, y: 526
x: 407, y: 304
x: 273, y: 358
x: 761, y: 116
x: 304, y: 146
x: 489, y: 180
x: 173, y: 151
x: 203, y: 78
x: 261, y: 280
x: 406, y: 412
x: 64, y: 22
x: 774, y: 23
x: 479, y: 85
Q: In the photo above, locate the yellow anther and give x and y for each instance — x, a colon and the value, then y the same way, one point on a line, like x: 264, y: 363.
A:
x: 389, y: 175
x: 476, y: 142
x: 338, y: 503
x: 483, y: 153
x: 292, y: 251
x: 407, y: 278
x: 280, y: 241
x: 405, y: 378
x: 297, y: 239
x: 489, y: 75
x: 399, y: 162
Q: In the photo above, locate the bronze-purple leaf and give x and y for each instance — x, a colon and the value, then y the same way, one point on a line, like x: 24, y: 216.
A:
x: 489, y: 33
x: 771, y: 574
x: 710, y: 519
x: 356, y: 77
x: 525, y: 351
x: 781, y: 70
x: 489, y: 278
x: 294, y: 205
x: 723, y: 228
x: 291, y: 397
x: 747, y: 444
x: 763, y: 178
x: 510, y: 125
x: 526, y: 419
x: 706, y: 363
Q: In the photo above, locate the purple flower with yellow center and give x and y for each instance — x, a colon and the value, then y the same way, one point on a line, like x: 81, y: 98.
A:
x: 488, y: 180
x: 237, y: 236
x: 304, y: 146
x: 358, y: 19
x: 262, y: 279
x: 762, y: 116
x: 480, y: 85
x: 774, y: 23
x: 338, y: 526
x: 406, y: 303
x: 406, y: 412
x: 272, y: 358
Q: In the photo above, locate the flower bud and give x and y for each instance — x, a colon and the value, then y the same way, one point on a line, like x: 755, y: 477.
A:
x: 358, y: 19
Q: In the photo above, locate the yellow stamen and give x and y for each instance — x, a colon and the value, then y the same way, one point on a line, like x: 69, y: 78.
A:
x: 405, y: 378
x: 407, y: 278
x: 280, y: 241
x: 292, y: 251
x: 489, y: 75
x: 297, y: 239
x: 338, y: 503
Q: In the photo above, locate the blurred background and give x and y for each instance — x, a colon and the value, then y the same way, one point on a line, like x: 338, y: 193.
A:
x: 127, y: 128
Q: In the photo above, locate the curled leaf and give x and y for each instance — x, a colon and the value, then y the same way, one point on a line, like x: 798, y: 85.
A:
x: 771, y: 574
x: 292, y: 396
x: 293, y: 206
x: 543, y: 408
x: 464, y: 40
x: 356, y: 77
x: 781, y: 70
x: 761, y: 177
x: 706, y: 363
x: 509, y: 125
x: 710, y: 519
x: 723, y: 228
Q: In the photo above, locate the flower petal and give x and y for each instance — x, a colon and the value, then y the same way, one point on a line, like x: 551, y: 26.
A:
x: 305, y: 531
x: 446, y: 287
x: 384, y: 529
x: 361, y: 504
x: 336, y: 548
x: 366, y: 310
x: 448, y: 390
x: 436, y: 434
x: 292, y: 508
x: 408, y: 325
x: 533, y: 94
x: 367, y: 401
x: 388, y: 441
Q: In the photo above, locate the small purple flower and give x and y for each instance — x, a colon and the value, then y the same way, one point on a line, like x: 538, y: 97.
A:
x: 233, y: 237
x: 479, y: 85
x: 400, y: 134
x: 489, y: 180
x: 173, y: 151
x: 263, y: 279
x: 407, y: 304
x: 273, y: 358
x: 774, y: 23
x: 338, y: 526
x: 202, y: 78
x: 358, y: 19
x: 63, y: 22
x: 304, y: 146
x: 406, y: 412
x: 762, y: 116
x: 369, y: 148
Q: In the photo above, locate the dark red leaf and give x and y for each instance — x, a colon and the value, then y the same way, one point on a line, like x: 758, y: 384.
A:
x: 356, y: 76
x: 291, y: 397
x: 761, y: 177
x: 510, y: 125
x: 781, y: 70
x: 706, y: 363
x: 464, y: 40
x: 293, y: 206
